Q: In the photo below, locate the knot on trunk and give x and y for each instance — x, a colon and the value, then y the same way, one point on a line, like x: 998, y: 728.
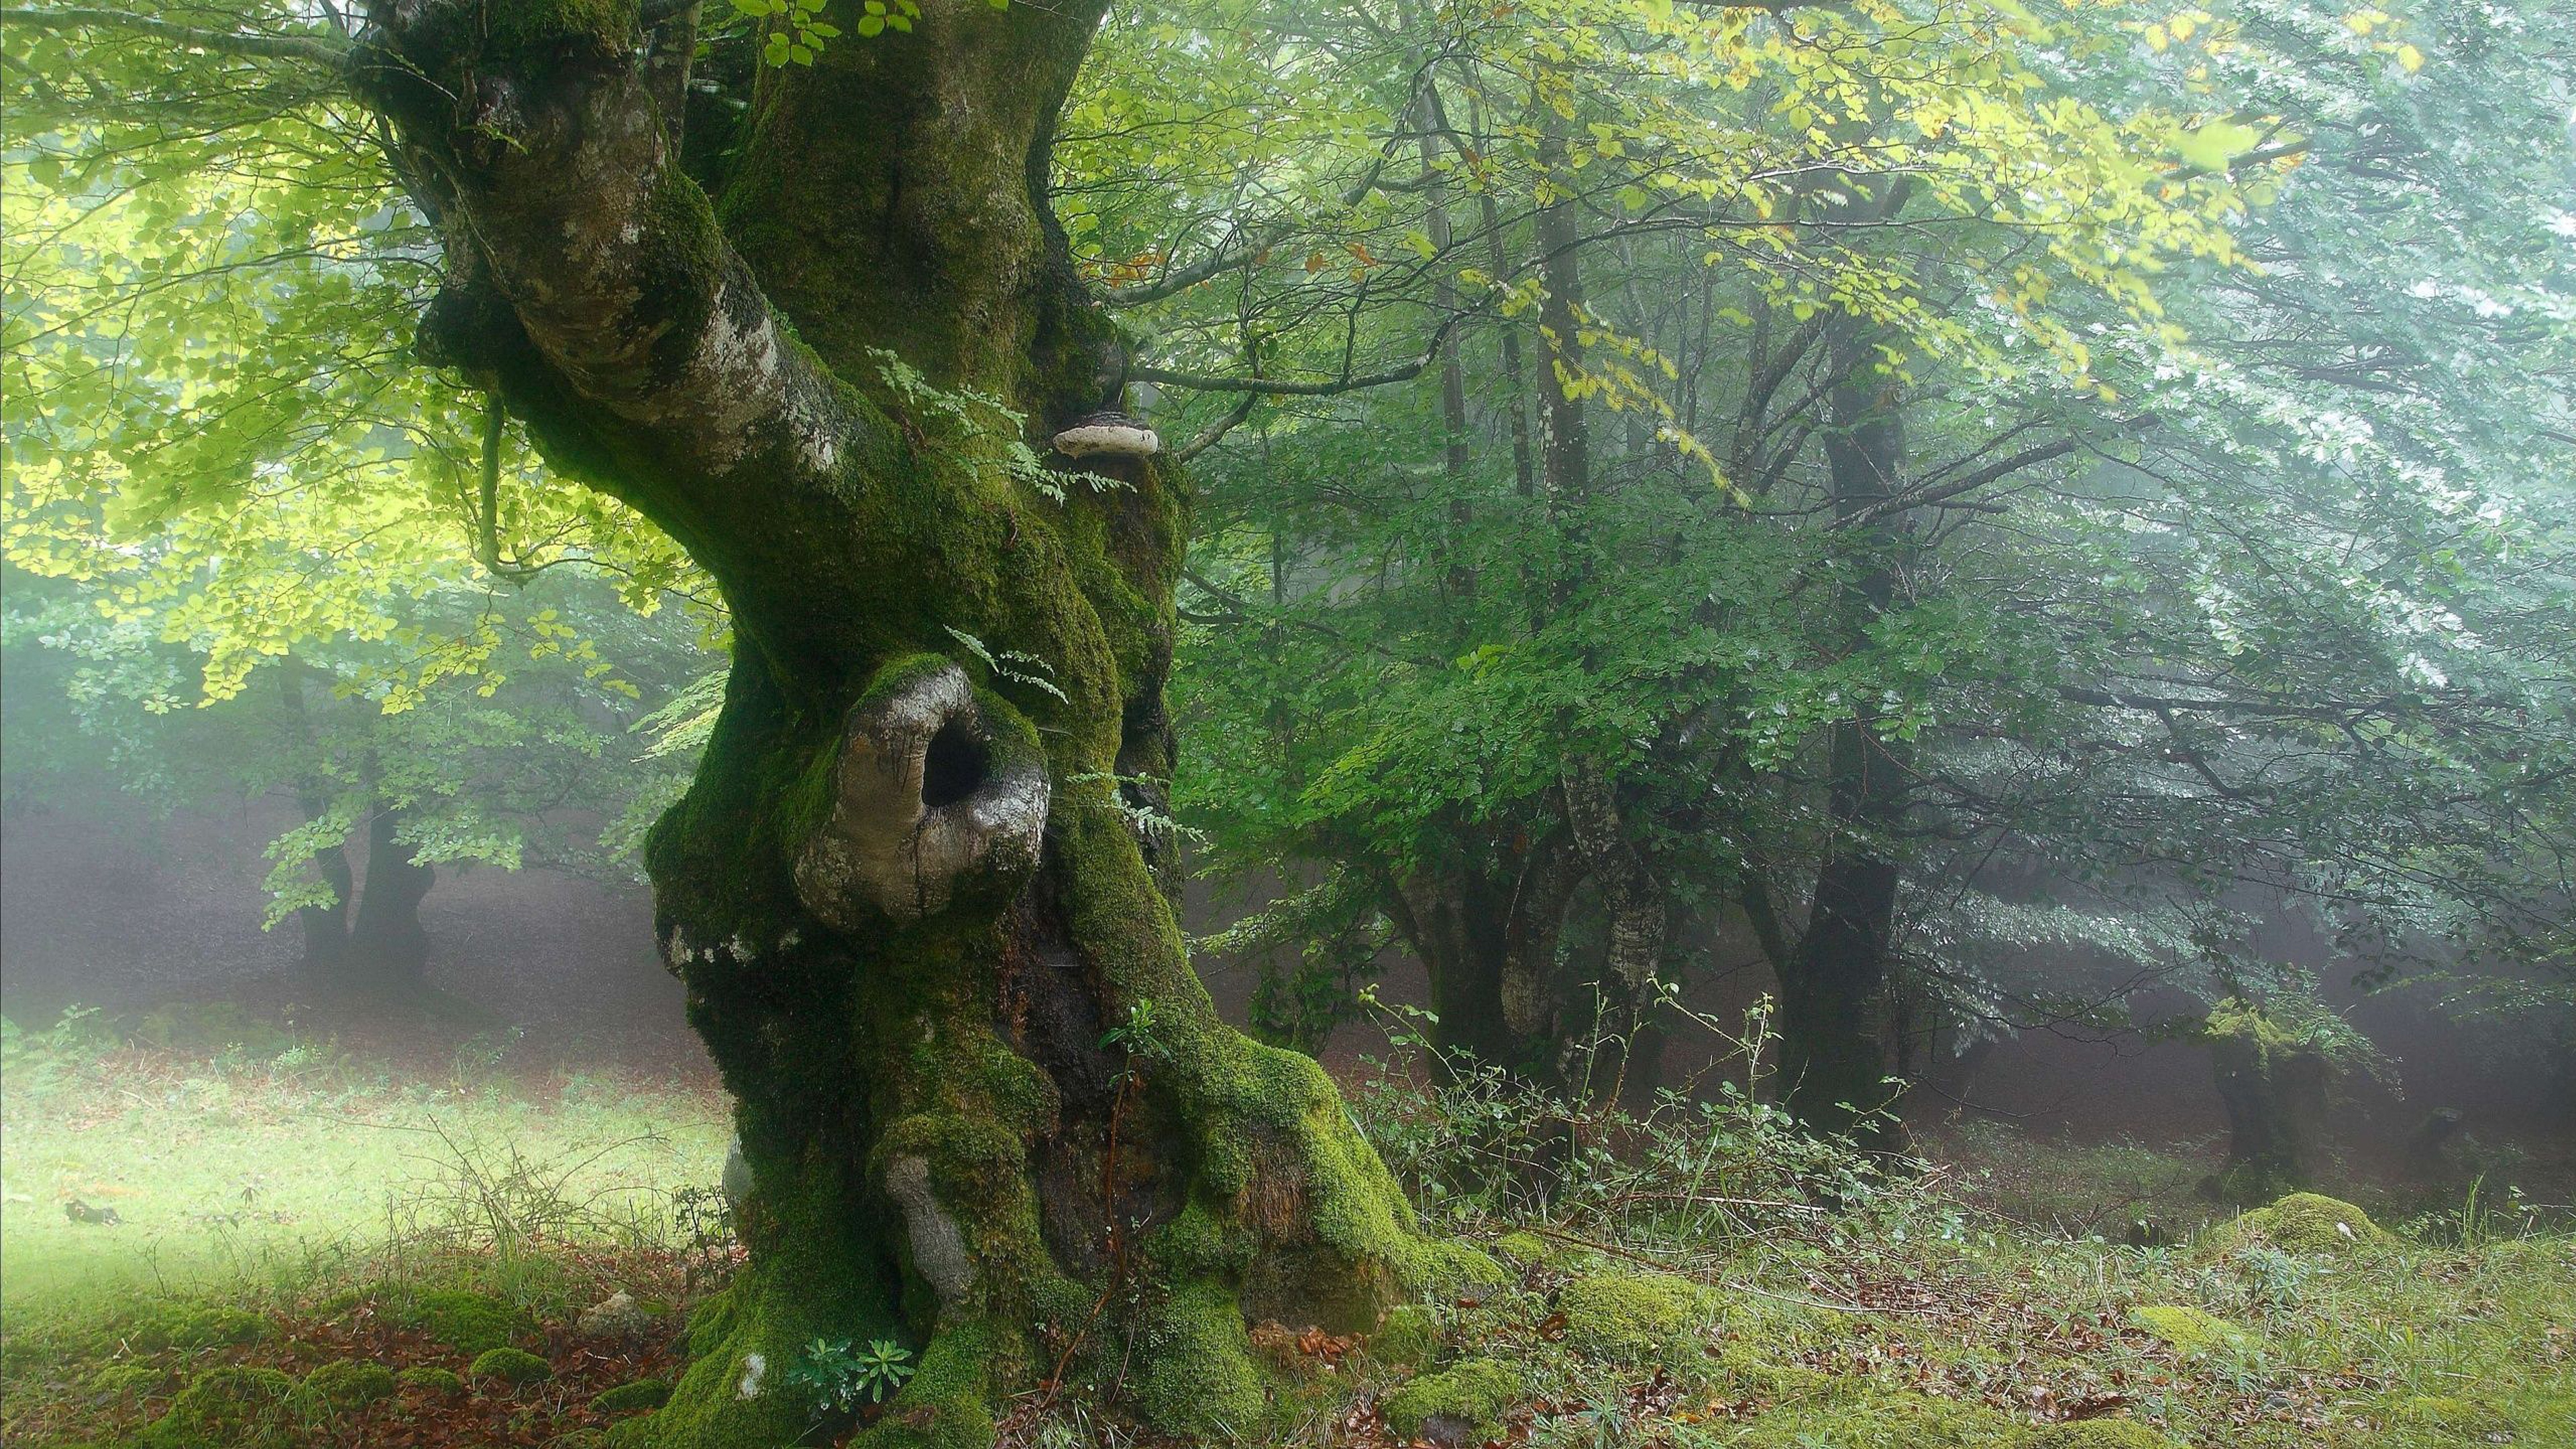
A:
x: 939, y: 795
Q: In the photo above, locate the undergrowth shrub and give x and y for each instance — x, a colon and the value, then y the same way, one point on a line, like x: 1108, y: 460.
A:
x: 1480, y: 1148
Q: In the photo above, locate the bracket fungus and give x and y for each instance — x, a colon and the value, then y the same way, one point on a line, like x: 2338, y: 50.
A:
x: 932, y: 799
x: 1111, y: 433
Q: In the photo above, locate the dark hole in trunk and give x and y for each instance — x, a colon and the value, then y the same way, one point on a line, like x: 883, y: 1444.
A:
x: 953, y: 767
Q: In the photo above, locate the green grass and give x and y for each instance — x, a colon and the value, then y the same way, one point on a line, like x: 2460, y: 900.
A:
x: 254, y: 1175
x: 317, y: 1218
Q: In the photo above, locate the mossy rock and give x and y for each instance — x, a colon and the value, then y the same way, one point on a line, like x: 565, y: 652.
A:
x: 343, y: 1385
x: 211, y: 1325
x: 1524, y: 1248
x: 2449, y: 1415
x: 127, y: 1381
x: 470, y: 1323
x: 2189, y: 1331
x: 1464, y: 1403
x: 1629, y: 1315
x: 2098, y: 1434
x: 430, y: 1379
x: 1409, y: 1338
x: 2303, y: 1222
x: 228, y: 1408
x: 510, y: 1366
x: 630, y: 1398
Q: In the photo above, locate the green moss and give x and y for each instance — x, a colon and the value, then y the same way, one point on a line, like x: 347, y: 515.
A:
x: 947, y: 1405
x: 629, y: 1398
x: 126, y: 1381
x: 196, y: 1326
x: 470, y: 1323
x: 1528, y: 1249
x: 2097, y: 1434
x: 2303, y: 1222
x: 1629, y: 1315
x: 344, y: 1384
x: 604, y: 27
x: 1409, y: 1338
x: 2188, y: 1331
x: 430, y: 1379
x: 2450, y: 1415
x: 510, y: 1366
x: 1852, y: 1415
x: 1197, y: 1374
x: 1471, y: 1397
x: 227, y: 1408
x: 1747, y: 1374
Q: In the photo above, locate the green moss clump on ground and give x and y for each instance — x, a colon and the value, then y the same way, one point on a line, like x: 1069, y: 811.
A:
x: 126, y: 1380
x: 470, y: 1323
x: 2098, y: 1434
x: 1409, y: 1337
x: 345, y: 1384
x: 1526, y: 1248
x: 1630, y: 1315
x: 228, y: 1408
x: 1848, y: 1415
x: 628, y: 1398
x: 510, y: 1366
x: 199, y: 1326
x: 2188, y: 1331
x: 430, y: 1379
x: 2450, y: 1415
x: 2303, y: 1222
x: 1463, y: 1402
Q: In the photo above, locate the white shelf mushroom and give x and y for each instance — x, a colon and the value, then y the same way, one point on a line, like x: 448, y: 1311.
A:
x: 1112, y: 434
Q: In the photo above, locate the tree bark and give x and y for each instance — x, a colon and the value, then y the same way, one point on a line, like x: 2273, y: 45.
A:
x: 2275, y: 1096
x: 387, y: 951
x: 906, y: 905
x: 1837, y: 1007
x: 325, y: 928
x: 1487, y: 938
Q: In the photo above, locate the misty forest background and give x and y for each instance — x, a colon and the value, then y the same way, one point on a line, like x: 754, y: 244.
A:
x: 1858, y: 670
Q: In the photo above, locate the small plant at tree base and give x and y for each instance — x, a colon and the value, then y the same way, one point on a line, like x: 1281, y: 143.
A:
x: 841, y: 1375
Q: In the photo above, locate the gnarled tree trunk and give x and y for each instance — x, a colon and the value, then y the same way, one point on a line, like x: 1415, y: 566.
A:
x: 906, y: 908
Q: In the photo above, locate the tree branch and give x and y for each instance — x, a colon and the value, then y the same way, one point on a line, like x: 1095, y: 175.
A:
x: 320, y: 49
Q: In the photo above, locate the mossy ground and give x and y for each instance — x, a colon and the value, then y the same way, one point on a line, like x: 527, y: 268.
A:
x: 1929, y: 1324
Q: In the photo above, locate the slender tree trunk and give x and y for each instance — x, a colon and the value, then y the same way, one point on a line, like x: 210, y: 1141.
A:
x: 1639, y: 913
x: 388, y: 948
x: 325, y: 929
x: 907, y: 911
x: 1837, y: 995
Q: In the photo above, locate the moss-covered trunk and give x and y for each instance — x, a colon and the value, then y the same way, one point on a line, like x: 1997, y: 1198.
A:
x: 987, y: 1110
x: 2275, y: 1095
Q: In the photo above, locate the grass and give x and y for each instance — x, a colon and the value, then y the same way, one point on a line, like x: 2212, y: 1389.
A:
x: 1697, y: 1281
x: 229, y: 1174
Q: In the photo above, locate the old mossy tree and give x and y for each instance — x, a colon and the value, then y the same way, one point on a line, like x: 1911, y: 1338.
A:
x: 986, y: 1108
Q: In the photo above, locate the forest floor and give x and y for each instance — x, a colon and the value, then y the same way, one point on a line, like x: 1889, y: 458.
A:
x: 335, y: 1244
